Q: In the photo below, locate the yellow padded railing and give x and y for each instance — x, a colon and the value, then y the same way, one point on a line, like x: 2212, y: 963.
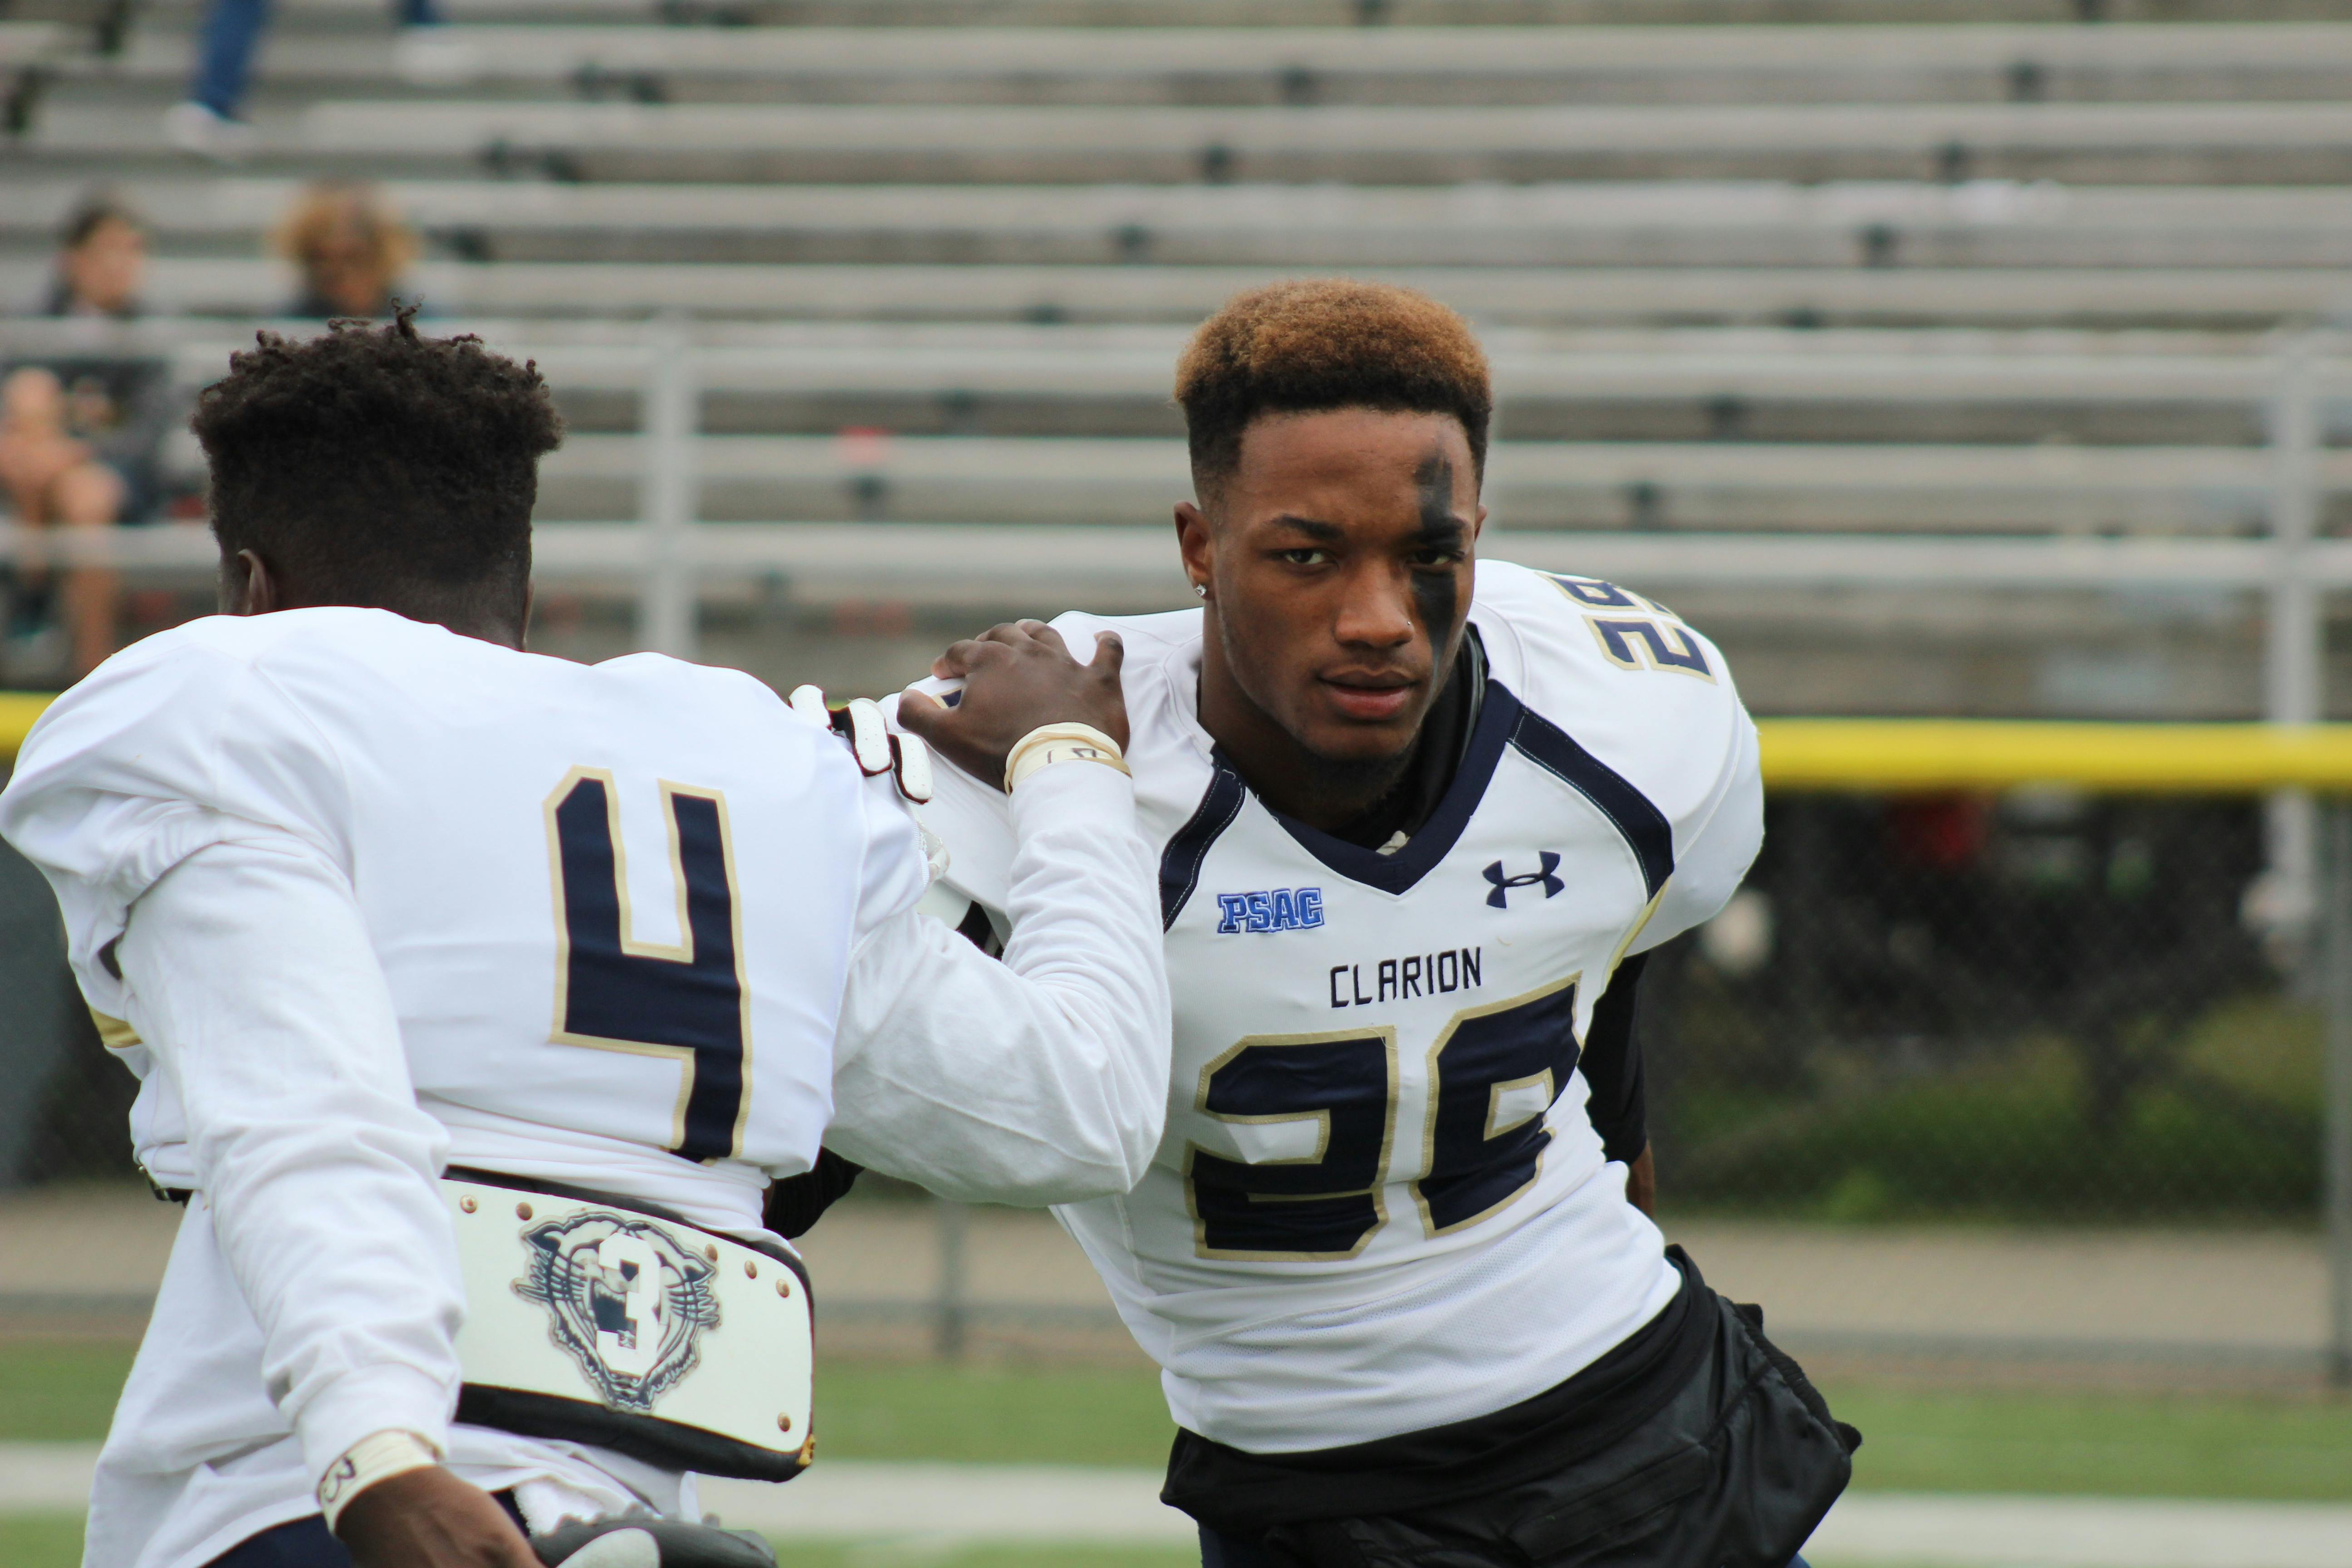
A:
x: 1952, y: 753
x: 17, y: 711
x: 1981, y: 753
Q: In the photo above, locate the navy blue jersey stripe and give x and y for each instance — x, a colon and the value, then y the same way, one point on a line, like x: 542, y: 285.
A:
x: 1180, y: 863
x: 1645, y: 826
x: 1434, y: 840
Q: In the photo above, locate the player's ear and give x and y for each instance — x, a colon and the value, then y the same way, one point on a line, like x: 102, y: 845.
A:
x: 1195, y: 540
x: 1478, y: 524
x: 248, y: 587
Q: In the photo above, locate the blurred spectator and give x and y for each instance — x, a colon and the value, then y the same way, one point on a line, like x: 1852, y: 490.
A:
x: 209, y: 121
x: 51, y: 478
x: 81, y: 445
x: 351, y: 246
x: 101, y: 261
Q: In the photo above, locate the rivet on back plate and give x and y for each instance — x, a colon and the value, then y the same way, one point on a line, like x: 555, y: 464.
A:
x: 783, y: 1287
x: 469, y: 1204
x: 522, y: 1211
x: 783, y: 1422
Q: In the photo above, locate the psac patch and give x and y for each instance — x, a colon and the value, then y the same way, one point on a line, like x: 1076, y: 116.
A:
x: 1278, y: 908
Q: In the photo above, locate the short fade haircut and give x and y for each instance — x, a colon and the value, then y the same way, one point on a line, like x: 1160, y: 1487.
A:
x: 1312, y: 345
x: 375, y: 466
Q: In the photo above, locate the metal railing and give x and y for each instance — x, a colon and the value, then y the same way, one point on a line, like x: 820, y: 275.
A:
x: 668, y: 554
x: 669, y: 558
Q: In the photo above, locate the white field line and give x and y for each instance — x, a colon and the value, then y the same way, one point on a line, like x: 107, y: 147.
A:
x: 45, y: 1478
x: 947, y: 1504
x: 962, y: 1503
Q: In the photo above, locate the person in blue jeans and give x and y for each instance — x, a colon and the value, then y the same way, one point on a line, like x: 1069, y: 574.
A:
x: 207, y: 121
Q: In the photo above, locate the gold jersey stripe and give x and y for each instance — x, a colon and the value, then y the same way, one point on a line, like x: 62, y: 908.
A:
x: 113, y: 1033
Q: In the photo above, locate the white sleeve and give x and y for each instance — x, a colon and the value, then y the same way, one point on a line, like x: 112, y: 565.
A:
x: 1039, y: 1080
x: 168, y: 747
x: 249, y: 975
x: 1715, y: 845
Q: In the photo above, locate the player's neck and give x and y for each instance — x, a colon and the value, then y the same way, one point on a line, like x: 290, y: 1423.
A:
x: 1280, y: 772
x: 499, y: 630
x: 249, y: 586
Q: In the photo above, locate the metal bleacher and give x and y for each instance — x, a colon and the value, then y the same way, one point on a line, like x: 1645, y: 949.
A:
x: 1866, y: 174
x: 1911, y: 274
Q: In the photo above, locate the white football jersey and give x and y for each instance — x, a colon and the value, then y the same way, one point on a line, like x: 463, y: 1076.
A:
x: 607, y: 928
x: 1379, y: 1205
x: 391, y: 899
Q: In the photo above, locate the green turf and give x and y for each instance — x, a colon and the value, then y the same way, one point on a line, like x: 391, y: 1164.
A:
x: 1061, y: 1415
x: 2110, y: 1444
x: 1936, y: 1439
x: 40, y: 1541
x: 58, y: 1391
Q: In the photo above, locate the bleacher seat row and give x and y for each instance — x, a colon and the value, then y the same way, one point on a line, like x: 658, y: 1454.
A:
x: 2193, y: 159
x: 1764, y: 267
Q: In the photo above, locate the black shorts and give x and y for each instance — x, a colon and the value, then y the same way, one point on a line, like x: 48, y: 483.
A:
x: 1734, y: 1470
x: 1224, y: 1552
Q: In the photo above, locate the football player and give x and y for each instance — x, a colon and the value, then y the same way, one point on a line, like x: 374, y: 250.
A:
x: 1418, y: 818
x: 477, y: 996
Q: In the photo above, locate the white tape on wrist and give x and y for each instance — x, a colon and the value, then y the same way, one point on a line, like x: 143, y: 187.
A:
x: 1049, y: 743
x: 376, y: 1458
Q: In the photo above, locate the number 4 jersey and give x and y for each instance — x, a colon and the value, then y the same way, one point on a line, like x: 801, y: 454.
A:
x: 606, y: 932
x: 1379, y: 1205
x: 381, y: 900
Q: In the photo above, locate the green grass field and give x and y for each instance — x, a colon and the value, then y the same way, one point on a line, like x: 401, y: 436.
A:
x: 40, y: 1541
x: 1916, y: 1440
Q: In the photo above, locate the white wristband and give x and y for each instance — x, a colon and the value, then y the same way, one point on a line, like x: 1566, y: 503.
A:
x: 1049, y: 743
x: 376, y: 1458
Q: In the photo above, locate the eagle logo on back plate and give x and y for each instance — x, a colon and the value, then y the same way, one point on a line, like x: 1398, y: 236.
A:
x: 624, y: 1300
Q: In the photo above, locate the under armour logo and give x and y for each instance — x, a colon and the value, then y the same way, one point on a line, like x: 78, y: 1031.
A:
x: 1501, y: 896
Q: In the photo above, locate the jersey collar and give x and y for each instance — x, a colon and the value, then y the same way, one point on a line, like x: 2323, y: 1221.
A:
x: 1498, y: 716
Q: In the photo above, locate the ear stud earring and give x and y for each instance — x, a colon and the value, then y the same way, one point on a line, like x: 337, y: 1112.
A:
x: 1200, y: 590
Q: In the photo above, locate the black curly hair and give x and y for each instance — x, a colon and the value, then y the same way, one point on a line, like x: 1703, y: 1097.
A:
x: 376, y: 465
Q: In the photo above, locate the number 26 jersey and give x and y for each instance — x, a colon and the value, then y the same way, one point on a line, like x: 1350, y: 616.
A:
x: 1379, y: 1205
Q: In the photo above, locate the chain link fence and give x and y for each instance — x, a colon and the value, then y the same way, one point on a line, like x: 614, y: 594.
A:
x: 2042, y: 1007
x: 2012, y: 1076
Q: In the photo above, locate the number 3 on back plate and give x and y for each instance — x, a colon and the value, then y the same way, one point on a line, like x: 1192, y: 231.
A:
x: 613, y: 993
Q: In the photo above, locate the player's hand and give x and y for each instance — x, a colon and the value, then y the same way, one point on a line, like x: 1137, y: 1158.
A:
x: 430, y: 1519
x: 31, y: 466
x: 1016, y: 678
